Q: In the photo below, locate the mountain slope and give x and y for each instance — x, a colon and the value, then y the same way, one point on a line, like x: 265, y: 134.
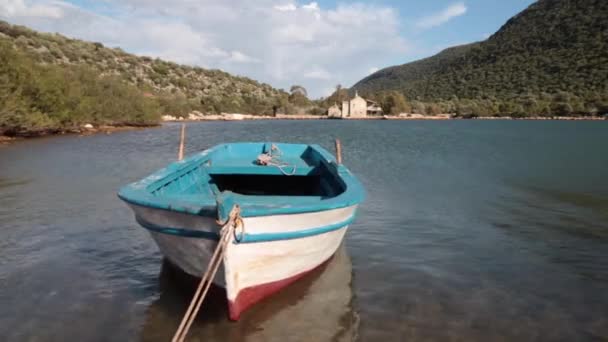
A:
x: 554, y: 47
x: 46, y: 77
x: 159, y: 75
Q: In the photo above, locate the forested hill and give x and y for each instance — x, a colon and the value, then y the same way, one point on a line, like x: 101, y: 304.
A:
x: 50, y: 83
x: 552, y: 57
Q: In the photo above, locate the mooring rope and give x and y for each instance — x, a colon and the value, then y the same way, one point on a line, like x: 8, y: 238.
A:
x: 268, y: 159
x: 226, y: 232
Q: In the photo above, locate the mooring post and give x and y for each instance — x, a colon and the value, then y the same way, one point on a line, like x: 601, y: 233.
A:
x: 180, y: 154
x: 338, y: 151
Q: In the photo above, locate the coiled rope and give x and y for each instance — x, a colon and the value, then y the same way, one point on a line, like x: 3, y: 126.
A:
x: 227, y: 231
x: 270, y: 159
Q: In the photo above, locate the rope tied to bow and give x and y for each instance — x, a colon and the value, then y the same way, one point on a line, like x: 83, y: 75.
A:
x: 228, y: 230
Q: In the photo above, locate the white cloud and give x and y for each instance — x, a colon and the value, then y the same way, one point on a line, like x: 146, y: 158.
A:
x: 318, y: 73
x: 285, y: 8
x: 313, y: 6
x: 294, y: 33
x: 373, y: 70
x: 279, y: 42
x: 18, y: 8
x: 452, y: 11
x: 239, y: 57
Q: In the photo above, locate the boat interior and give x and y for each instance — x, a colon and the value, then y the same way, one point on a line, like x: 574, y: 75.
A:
x: 293, y: 170
x: 262, y: 178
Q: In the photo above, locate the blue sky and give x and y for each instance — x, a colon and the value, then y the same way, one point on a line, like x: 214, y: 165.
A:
x: 317, y: 44
x: 482, y: 17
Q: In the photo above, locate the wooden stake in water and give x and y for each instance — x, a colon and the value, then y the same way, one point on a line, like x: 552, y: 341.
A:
x: 338, y: 151
x: 180, y: 155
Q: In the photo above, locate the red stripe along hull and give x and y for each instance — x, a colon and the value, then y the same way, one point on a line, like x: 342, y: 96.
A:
x: 251, y: 295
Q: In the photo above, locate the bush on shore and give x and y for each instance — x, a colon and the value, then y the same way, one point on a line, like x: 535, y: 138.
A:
x: 45, y: 98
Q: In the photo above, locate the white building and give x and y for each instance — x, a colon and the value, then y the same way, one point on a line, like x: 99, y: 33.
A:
x: 357, y: 107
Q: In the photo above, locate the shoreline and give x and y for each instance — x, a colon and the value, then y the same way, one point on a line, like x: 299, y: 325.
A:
x: 295, y: 117
x: 4, y: 140
x: 541, y: 118
x: 108, y: 129
x: 81, y: 132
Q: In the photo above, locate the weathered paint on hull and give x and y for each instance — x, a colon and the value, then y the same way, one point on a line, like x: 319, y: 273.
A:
x: 253, y: 275
x: 189, y: 254
x: 254, y: 270
x: 251, y: 295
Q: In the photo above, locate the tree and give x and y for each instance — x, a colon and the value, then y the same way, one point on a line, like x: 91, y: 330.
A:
x: 561, y: 108
x: 418, y: 107
x: 341, y: 94
x: 298, y: 96
x: 394, y: 103
x: 299, y: 90
x: 506, y: 108
x: 433, y: 109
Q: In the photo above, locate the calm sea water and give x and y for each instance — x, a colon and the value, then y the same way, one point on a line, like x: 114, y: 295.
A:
x: 472, y: 231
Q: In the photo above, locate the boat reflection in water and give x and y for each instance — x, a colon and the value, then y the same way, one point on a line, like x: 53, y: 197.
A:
x: 318, y: 307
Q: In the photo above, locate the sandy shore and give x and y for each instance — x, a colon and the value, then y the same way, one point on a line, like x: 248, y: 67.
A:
x: 241, y: 117
x: 246, y: 117
x: 564, y: 118
x: 4, y: 140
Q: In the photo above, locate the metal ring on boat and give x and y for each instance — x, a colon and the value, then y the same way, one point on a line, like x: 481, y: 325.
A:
x: 239, y: 223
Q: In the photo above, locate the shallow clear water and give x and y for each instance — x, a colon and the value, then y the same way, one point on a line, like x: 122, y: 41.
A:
x: 472, y: 230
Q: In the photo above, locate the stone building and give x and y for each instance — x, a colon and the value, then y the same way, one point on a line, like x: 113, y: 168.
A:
x: 373, y: 108
x: 357, y: 107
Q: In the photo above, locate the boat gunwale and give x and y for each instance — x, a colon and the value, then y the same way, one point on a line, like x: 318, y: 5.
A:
x: 141, y: 192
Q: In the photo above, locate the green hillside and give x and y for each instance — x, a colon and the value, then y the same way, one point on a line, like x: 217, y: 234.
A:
x: 552, y: 58
x: 50, y: 83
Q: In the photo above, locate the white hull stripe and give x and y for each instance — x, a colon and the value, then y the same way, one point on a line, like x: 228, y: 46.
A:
x: 246, y: 237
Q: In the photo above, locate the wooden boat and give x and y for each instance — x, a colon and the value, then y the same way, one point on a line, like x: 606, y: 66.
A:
x: 296, y: 202
x: 292, y: 314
